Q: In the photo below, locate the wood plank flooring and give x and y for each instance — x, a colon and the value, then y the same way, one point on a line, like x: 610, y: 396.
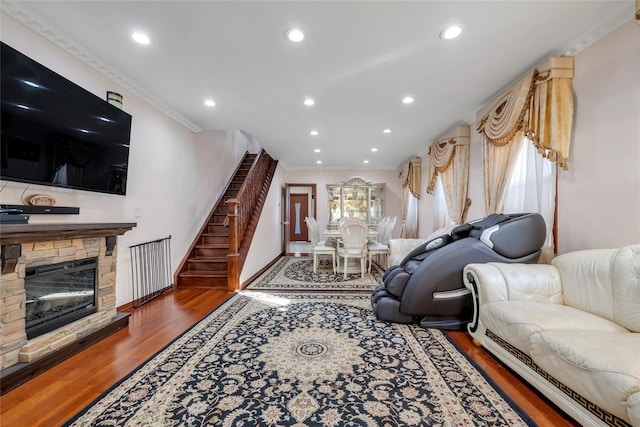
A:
x: 56, y: 395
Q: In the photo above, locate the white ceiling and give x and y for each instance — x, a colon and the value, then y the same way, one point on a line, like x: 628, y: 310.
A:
x: 358, y: 60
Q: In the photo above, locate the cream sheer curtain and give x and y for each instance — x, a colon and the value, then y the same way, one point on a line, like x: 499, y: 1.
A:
x: 531, y: 188
x: 410, y: 178
x: 441, y: 216
x: 449, y: 162
x: 499, y: 162
x: 538, y: 106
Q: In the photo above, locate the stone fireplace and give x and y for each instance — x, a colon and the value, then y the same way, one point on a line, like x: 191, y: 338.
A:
x: 43, y: 247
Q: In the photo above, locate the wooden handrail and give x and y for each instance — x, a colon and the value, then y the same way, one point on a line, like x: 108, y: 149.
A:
x: 240, y: 209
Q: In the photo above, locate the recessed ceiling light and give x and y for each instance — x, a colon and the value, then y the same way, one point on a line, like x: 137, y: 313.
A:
x: 387, y: 130
x: 314, y: 133
x: 319, y: 162
x: 365, y: 161
x: 317, y: 150
x: 209, y: 103
x: 450, y: 32
x: 140, y: 38
x: 407, y: 100
x: 32, y: 84
x: 294, y: 34
x: 374, y: 149
x: 309, y: 102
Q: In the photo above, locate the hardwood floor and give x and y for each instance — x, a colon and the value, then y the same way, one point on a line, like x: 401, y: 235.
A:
x: 56, y: 395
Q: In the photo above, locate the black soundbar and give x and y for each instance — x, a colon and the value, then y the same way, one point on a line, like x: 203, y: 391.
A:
x: 32, y: 210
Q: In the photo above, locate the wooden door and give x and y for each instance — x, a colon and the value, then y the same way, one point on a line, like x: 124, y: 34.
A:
x: 298, y: 211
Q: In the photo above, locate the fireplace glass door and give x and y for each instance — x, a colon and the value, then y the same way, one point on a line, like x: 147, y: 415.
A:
x: 59, y: 294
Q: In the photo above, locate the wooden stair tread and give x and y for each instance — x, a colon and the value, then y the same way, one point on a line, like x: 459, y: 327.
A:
x: 203, y: 273
x: 207, y: 259
x: 213, y: 246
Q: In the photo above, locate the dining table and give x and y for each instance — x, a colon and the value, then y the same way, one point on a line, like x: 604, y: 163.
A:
x: 334, y: 233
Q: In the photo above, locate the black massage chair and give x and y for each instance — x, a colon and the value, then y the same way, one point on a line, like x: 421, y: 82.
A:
x: 427, y: 286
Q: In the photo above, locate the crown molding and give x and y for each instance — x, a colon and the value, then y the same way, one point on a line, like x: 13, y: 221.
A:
x: 27, y: 17
x: 597, y: 33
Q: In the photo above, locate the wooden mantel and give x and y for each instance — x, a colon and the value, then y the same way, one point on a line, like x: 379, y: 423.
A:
x: 30, y: 233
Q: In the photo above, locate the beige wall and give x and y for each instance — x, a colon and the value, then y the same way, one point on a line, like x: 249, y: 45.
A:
x: 599, y: 196
x: 268, y: 240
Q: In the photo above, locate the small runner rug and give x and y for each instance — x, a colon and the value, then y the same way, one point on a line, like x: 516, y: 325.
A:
x: 296, y: 359
x: 296, y: 274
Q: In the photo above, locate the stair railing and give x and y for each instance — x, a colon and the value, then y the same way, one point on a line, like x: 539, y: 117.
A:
x: 192, y: 249
x: 240, y: 209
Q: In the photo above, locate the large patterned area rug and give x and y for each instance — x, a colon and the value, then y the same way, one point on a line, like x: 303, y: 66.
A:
x: 296, y: 273
x: 296, y: 359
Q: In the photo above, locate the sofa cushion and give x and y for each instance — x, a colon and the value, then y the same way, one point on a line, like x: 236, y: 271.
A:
x: 517, y: 321
x: 586, y: 280
x: 625, y: 275
x: 601, y: 366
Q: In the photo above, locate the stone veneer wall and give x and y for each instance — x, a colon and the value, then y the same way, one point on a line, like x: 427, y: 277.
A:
x: 14, y: 346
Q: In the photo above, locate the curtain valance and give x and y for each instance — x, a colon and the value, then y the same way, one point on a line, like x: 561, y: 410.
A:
x: 541, y: 105
x: 443, y: 152
x: 411, y: 176
x: 449, y: 158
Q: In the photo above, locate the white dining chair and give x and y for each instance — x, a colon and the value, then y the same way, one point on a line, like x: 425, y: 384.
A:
x: 353, y: 244
x: 319, y: 247
x: 380, y: 246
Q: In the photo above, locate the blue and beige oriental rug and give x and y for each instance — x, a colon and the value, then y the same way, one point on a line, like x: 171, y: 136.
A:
x: 296, y: 274
x: 302, y: 359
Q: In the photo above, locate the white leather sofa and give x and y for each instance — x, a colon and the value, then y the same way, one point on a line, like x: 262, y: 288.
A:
x: 399, y: 248
x: 571, y: 329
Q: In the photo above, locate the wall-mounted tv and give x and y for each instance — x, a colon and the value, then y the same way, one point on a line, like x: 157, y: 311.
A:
x: 56, y: 133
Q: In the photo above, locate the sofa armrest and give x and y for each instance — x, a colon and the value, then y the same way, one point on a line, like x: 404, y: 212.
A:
x: 514, y: 282
x: 494, y: 282
x: 399, y: 248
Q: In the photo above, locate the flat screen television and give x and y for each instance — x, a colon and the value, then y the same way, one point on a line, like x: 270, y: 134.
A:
x: 56, y: 133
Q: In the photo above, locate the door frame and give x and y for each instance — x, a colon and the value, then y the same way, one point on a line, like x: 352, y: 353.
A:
x: 287, y: 205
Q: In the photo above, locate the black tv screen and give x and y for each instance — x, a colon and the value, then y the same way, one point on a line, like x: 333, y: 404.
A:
x: 56, y: 133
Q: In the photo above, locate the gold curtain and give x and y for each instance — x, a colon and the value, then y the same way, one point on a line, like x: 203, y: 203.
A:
x: 538, y: 106
x: 449, y: 158
x: 541, y: 105
x: 411, y: 181
x: 506, y: 118
x: 550, y: 115
x: 441, y: 155
x: 412, y: 178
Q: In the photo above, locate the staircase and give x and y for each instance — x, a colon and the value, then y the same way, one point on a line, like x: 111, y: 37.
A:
x: 206, y: 265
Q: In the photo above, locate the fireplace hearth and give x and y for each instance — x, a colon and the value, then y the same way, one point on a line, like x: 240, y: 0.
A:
x: 59, y: 294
